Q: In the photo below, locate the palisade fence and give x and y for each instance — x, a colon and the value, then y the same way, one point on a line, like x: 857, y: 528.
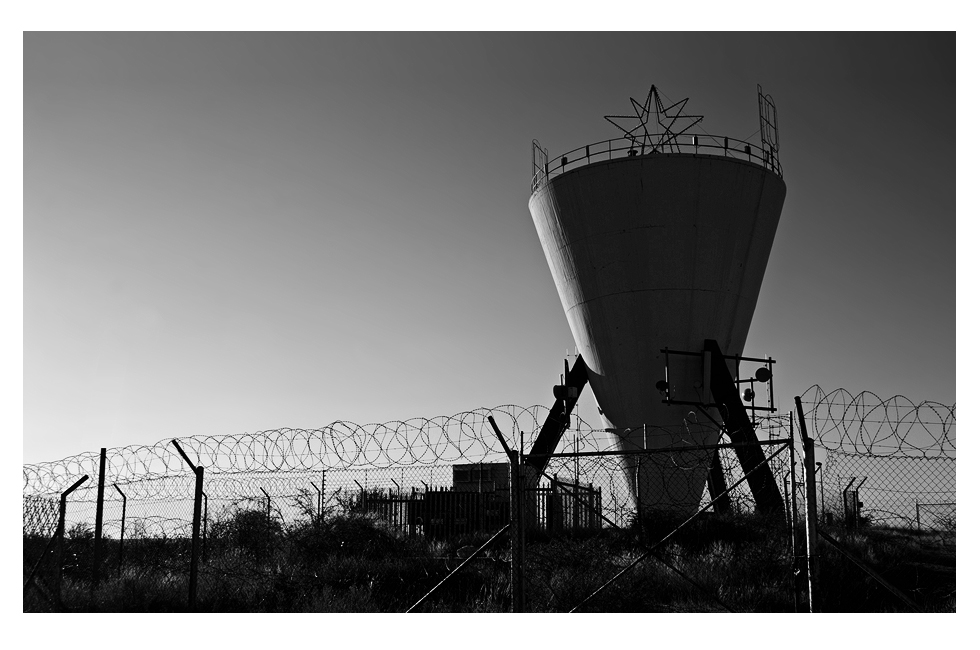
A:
x: 270, y: 499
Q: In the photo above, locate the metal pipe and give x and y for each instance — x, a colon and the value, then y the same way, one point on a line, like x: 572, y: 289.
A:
x: 823, y: 505
x: 793, y: 518
x: 195, y: 526
x: 196, y: 536
x: 515, y: 519
x: 183, y: 455
x: 204, y: 530
x: 522, y: 495
x: 122, y: 528
x: 319, y: 502
x: 809, y: 473
x: 789, y: 523
x: 97, y: 541
x: 843, y: 498
x: 62, y: 511
x: 363, y: 494
x: 268, y: 510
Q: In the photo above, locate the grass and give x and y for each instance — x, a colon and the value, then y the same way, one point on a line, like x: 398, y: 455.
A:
x: 921, y: 565
x: 354, y: 563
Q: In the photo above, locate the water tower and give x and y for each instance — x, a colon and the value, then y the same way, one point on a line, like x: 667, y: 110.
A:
x: 658, y: 240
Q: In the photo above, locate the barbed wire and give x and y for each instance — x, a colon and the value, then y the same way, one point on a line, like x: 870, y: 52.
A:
x: 264, y: 491
x: 341, y: 445
x: 157, y: 471
x: 838, y: 420
x: 864, y: 423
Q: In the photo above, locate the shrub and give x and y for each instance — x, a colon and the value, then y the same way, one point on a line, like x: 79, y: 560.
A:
x: 249, y: 530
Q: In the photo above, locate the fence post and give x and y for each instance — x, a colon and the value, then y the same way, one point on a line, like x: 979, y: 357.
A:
x: 62, y: 511
x: 481, y: 503
x: 848, y: 504
x: 823, y: 506
x: 268, y: 521
x: 323, y: 490
x: 519, y: 518
x: 122, y: 528
x: 319, y: 504
x: 97, y: 541
x: 268, y: 508
x: 204, y: 529
x: 515, y: 533
x: 552, y: 513
x: 363, y: 495
x: 810, y: 476
x: 516, y: 566
x: 794, y: 515
x: 196, y: 534
x: 794, y: 573
x: 918, y: 522
x: 639, y: 500
x: 576, y: 509
x: 596, y: 508
x: 195, y: 526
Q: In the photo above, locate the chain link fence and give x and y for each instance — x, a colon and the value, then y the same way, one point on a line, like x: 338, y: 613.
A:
x: 374, y: 518
x: 888, y: 462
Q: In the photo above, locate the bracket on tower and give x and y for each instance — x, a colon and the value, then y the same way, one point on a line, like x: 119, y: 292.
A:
x: 716, y: 388
x: 699, y: 394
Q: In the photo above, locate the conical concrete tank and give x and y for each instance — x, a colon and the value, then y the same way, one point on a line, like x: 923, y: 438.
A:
x: 650, y: 252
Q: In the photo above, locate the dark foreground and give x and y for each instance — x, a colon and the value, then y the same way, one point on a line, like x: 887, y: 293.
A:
x: 355, y: 564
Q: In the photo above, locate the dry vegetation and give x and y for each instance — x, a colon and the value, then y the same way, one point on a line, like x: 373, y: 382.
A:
x: 352, y: 563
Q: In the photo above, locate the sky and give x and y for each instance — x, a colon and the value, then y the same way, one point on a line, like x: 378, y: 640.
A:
x: 225, y: 233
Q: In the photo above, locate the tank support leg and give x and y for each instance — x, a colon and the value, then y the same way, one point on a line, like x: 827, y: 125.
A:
x: 740, y: 430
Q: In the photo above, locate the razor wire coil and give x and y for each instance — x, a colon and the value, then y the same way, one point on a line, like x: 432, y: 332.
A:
x: 864, y: 423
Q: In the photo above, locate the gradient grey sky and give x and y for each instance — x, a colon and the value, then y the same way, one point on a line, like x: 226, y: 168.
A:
x: 233, y: 232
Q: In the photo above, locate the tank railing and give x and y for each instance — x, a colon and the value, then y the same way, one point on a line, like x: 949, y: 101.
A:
x: 628, y: 147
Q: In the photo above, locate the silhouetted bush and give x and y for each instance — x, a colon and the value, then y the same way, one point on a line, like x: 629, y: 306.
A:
x: 252, y: 531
